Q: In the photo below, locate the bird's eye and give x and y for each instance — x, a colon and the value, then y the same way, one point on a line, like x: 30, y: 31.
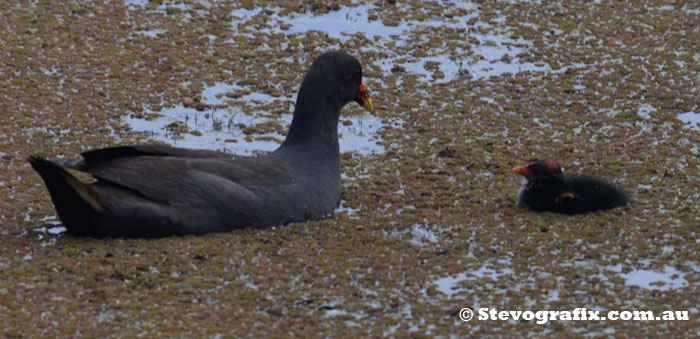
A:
x: 356, y: 74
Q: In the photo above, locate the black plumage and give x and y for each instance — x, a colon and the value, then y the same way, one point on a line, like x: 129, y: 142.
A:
x: 155, y: 190
x: 548, y: 189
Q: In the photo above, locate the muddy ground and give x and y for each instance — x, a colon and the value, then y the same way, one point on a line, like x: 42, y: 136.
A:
x: 611, y: 80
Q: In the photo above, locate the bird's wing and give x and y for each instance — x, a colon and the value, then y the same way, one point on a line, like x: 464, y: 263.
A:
x: 167, y: 178
x: 596, y: 191
x: 154, y: 150
x: 97, y: 156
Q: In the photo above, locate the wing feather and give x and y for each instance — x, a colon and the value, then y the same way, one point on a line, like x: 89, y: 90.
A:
x: 163, y: 173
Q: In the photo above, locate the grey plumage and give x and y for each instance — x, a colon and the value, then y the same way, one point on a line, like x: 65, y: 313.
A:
x: 156, y: 190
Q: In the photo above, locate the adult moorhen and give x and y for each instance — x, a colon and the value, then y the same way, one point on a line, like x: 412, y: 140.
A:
x: 548, y: 189
x: 156, y: 191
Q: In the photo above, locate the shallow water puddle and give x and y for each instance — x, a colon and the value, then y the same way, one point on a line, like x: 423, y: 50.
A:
x: 492, y: 54
x: 669, y: 278
x: 645, y: 110
x: 232, y: 130
x: 134, y: 3
x: 690, y: 118
x: 348, y: 20
x: 48, y: 233
x: 345, y: 209
x: 153, y: 33
x: 450, y: 285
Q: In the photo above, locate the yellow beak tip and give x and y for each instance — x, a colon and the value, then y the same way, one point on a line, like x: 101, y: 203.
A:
x: 367, y: 104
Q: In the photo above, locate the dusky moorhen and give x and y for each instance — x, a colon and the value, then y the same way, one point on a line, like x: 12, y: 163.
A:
x: 156, y: 190
x: 548, y: 189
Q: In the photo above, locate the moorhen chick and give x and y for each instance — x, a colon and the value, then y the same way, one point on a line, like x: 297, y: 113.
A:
x: 156, y: 190
x: 548, y: 189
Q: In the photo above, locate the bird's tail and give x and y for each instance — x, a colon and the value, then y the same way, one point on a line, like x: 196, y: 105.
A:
x: 76, y: 203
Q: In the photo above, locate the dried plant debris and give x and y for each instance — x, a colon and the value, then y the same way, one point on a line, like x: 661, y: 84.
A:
x: 464, y: 92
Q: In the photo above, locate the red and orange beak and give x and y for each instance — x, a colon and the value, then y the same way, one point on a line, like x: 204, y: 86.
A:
x: 364, y: 99
x: 525, y: 171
